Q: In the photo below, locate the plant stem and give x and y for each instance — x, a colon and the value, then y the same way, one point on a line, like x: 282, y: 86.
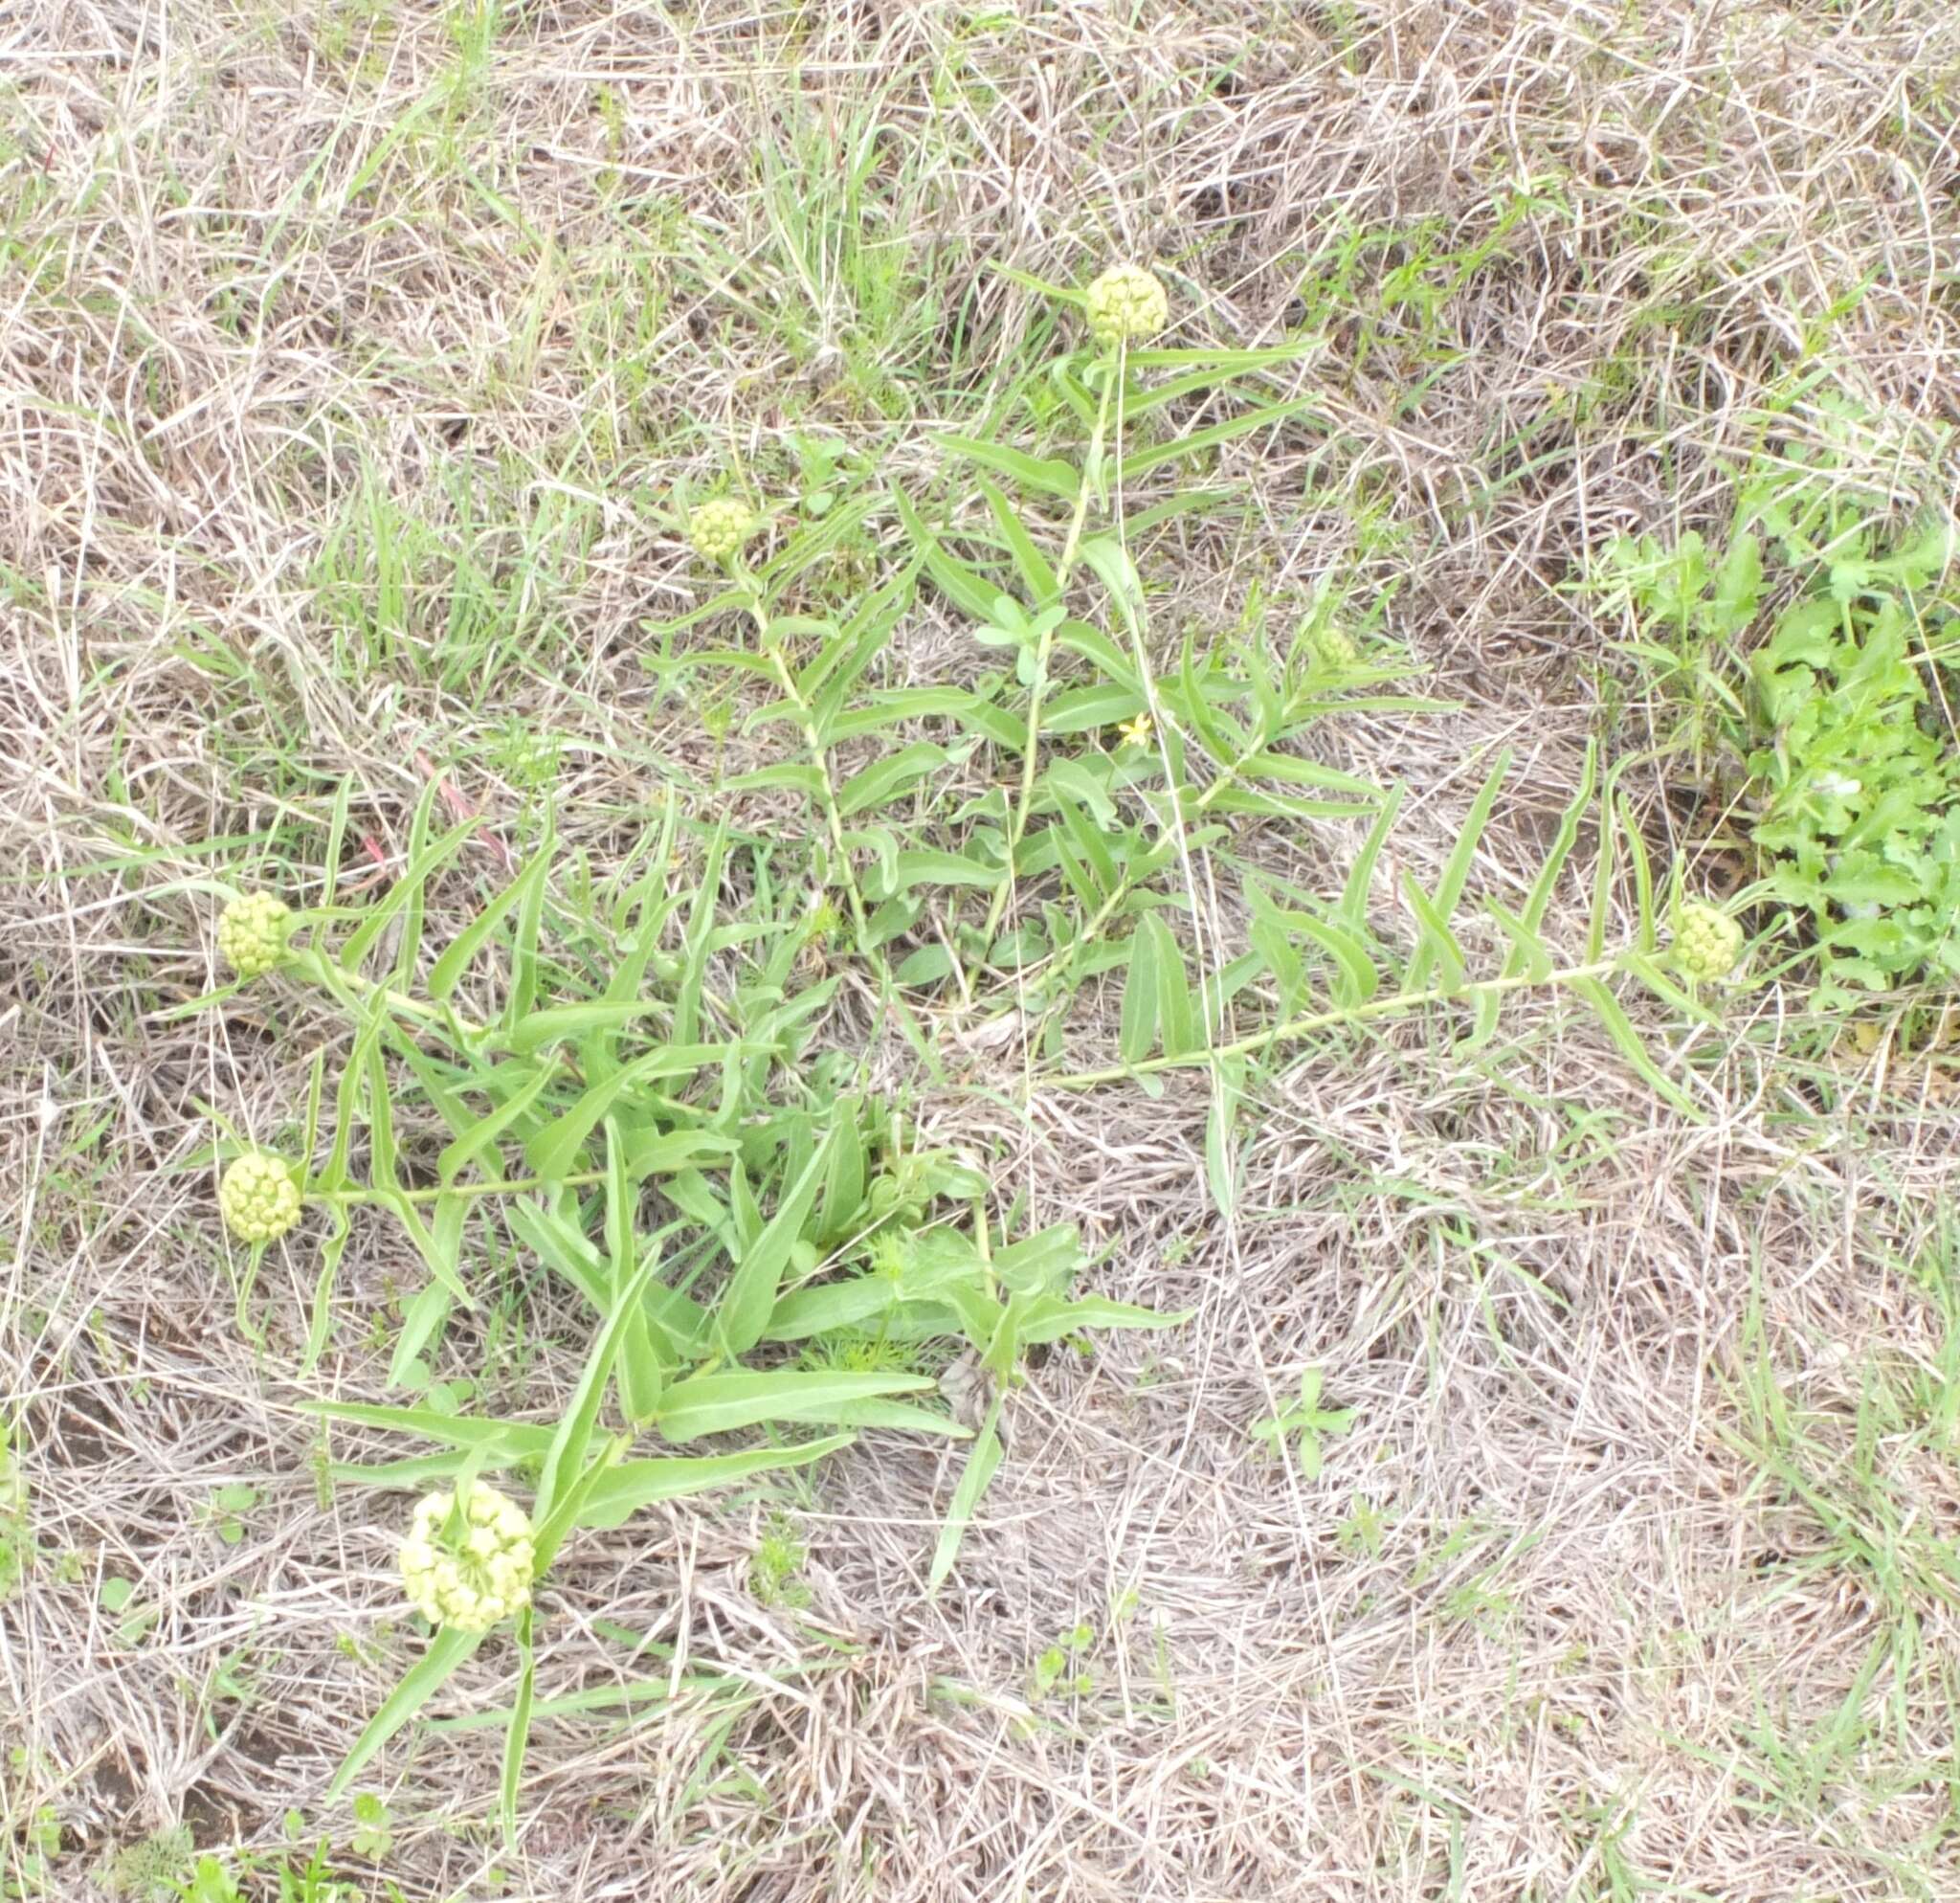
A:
x: 1030, y: 754
x: 819, y: 758
x: 1321, y: 1020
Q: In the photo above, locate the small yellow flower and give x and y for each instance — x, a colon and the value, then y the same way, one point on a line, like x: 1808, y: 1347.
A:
x: 1707, y: 943
x: 474, y: 1575
x: 252, y: 933
x: 1137, y: 732
x: 259, y: 1197
x: 1126, y: 304
x: 719, y: 528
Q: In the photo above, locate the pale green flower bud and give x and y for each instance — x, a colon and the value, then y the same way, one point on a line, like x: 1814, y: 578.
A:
x: 1707, y: 943
x: 1332, y: 648
x: 252, y: 933
x: 259, y: 1197
x: 478, y: 1577
x: 1126, y: 303
x: 719, y: 528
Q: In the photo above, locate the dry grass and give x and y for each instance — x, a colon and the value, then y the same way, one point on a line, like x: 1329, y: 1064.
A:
x: 348, y: 358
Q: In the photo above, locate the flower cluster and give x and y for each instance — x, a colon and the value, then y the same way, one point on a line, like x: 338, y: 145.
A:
x: 719, y: 528
x: 1125, y: 304
x: 473, y: 1573
x: 1707, y: 943
x: 258, y: 1198
x: 1332, y: 648
x: 252, y: 933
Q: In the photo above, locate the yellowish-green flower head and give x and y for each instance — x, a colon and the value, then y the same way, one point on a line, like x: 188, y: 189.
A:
x: 1126, y: 304
x: 719, y: 528
x: 470, y: 1570
x: 1707, y: 943
x: 259, y: 1197
x: 252, y: 933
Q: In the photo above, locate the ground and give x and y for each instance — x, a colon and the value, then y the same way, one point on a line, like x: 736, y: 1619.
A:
x: 354, y: 353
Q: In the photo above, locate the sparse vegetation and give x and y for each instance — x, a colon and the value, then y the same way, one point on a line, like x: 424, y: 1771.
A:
x: 980, y: 952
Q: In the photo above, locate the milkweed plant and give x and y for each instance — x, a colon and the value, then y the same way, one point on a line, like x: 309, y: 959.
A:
x: 635, y: 1080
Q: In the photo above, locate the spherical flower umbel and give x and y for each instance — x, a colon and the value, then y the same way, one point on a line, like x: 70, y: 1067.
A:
x: 1707, y: 943
x: 252, y: 933
x: 719, y: 528
x: 259, y: 1197
x: 1125, y: 304
x: 470, y: 1569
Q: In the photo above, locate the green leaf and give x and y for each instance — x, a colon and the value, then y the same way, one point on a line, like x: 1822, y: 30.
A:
x: 555, y: 1149
x: 662, y: 1153
x: 1355, y: 894
x: 965, y: 589
x: 982, y: 1463
x: 1138, y: 461
x: 1049, y: 476
x: 751, y: 1291
x: 480, y: 1135
x: 565, y: 1459
x: 1527, y: 950
x: 920, y: 865
x: 890, y: 776
x: 447, y: 969
x: 517, y: 1735
x: 448, y: 1650
x: 1032, y: 567
x: 556, y: 1022
x: 1606, y: 1007
x: 632, y: 1485
x: 719, y: 1403
x: 892, y: 706
x: 1112, y: 561
x: 501, y: 1441
x: 843, y: 1177
x: 361, y: 940
x: 640, y: 1372
x: 1359, y: 978
x: 1436, y: 943
x: 1140, y: 1022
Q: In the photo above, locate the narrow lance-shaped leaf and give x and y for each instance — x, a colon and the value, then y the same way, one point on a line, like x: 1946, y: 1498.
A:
x: 982, y: 1463
x: 447, y: 969
x: 1433, y: 913
x: 640, y: 1377
x: 447, y: 1650
x: 751, y: 1291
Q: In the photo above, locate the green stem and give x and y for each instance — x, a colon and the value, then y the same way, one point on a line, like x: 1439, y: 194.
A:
x: 819, y: 758
x: 1030, y: 754
x: 1296, y: 1028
